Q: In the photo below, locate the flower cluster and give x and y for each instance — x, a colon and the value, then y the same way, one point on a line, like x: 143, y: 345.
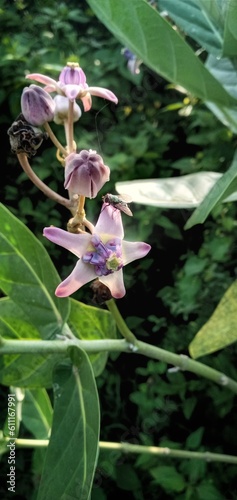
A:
x: 101, y: 249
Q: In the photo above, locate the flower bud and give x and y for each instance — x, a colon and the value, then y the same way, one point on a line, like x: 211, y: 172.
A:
x: 85, y: 173
x: 61, y: 110
x: 37, y: 105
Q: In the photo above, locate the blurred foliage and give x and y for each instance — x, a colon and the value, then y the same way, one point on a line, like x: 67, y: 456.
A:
x: 155, y: 131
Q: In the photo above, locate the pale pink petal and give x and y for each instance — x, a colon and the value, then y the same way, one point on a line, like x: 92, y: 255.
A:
x: 87, y: 102
x: 133, y: 250
x: 42, y: 79
x: 105, y: 93
x: 115, y: 283
x: 75, y: 243
x: 110, y: 222
x: 81, y: 274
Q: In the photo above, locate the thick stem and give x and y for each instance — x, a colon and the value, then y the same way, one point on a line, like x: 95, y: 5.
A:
x: 92, y: 346
x: 137, y: 449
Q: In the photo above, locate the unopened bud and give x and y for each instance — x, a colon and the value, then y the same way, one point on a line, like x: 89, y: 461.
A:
x: 61, y: 110
x: 37, y: 105
x: 85, y: 173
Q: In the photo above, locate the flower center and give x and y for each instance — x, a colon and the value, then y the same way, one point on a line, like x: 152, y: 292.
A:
x: 105, y: 257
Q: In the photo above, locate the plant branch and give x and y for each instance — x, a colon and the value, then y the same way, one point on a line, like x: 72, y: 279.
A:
x: 137, y: 449
x: 54, y: 139
x: 122, y: 327
x: 40, y: 184
x: 93, y: 346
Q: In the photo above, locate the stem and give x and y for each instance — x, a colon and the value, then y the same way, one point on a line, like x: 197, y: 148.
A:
x: 122, y: 327
x: 70, y: 127
x: 93, y: 346
x: 54, y: 139
x: 137, y: 448
x: 40, y: 184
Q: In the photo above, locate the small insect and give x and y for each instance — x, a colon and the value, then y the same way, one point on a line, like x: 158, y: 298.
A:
x: 120, y: 202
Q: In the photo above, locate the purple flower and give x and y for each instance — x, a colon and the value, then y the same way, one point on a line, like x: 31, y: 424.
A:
x: 72, y: 84
x: 133, y: 62
x: 102, y: 254
x: 85, y: 173
x: 37, y: 105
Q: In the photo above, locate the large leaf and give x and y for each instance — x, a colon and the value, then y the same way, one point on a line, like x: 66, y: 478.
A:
x: 72, y: 452
x: 91, y: 323
x: 141, y: 28
x: 28, y: 276
x: 37, y: 413
x: 192, y: 18
x: 230, y: 35
x: 23, y: 370
x: 186, y: 191
x: 225, y: 71
x: 221, y: 329
x: 219, y: 191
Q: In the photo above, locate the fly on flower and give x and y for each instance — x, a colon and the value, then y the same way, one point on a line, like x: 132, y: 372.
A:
x: 119, y: 202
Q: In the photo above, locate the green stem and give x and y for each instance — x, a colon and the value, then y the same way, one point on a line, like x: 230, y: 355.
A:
x: 55, y: 140
x: 93, y: 346
x: 122, y: 327
x: 137, y: 448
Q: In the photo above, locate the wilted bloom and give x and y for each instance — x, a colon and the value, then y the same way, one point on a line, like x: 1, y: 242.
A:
x: 72, y: 84
x: 37, y: 105
x: 85, y: 173
x: 102, y: 254
x: 61, y: 110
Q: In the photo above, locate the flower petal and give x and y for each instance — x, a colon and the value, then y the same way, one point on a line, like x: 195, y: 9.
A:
x: 81, y: 274
x: 115, y: 283
x: 110, y: 221
x: 133, y: 250
x: 87, y: 102
x: 42, y: 79
x: 75, y: 243
x: 105, y: 93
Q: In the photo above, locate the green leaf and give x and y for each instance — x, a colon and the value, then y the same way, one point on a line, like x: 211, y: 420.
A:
x: 28, y: 276
x: 225, y: 71
x: 37, y: 413
x: 192, y: 19
x: 194, y: 439
x: 91, y: 323
x: 221, y: 329
x: 140, y: 27
x: 72, y: 452
x: 168, y: 478
x: 230, y: 36
x: 23, y: 370
x: 217, y: 193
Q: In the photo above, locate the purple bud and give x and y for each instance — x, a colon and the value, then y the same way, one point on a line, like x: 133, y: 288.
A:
x: 85, y: 173
x: 37, y: 105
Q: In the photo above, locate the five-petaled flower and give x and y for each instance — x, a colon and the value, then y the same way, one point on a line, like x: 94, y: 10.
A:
x: 102, y: 254
x: 72, y: 84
